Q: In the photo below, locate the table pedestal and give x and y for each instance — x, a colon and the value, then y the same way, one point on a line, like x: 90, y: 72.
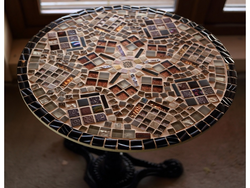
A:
x: 114, y: 169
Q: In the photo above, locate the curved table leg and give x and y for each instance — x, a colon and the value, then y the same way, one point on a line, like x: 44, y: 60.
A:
x: 114, y: 169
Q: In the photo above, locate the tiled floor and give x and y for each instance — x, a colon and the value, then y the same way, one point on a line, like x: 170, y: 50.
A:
x: 35, y: 156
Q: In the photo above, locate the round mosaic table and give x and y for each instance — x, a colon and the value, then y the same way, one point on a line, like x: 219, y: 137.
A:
x: 126, y: 78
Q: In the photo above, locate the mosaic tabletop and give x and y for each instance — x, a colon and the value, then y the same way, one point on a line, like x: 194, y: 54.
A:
x: 126, y: 78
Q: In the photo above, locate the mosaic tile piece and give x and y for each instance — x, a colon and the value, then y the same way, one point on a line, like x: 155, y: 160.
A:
x: 73, y: 113
x: 75, y: 122
x: 85, y: 111
x: 88, y: 119
x: 100, y: 117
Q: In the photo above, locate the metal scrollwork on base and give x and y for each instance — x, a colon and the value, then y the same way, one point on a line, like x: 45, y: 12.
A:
x: 114, y: 169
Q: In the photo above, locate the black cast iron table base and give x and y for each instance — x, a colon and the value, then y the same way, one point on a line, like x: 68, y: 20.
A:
x: 116, y: 170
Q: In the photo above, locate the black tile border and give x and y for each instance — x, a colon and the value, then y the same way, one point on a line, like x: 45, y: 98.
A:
x: 120, y: 144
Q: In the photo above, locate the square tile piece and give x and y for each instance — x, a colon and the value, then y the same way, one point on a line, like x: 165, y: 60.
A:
x: 123, y: 84
x: 104, y: 75
x: 108, y: 111
x: 73, y: 113
x: 197, y: 92
x: 191, y: 102
x: 208, y: 91
x: 182, y: 86
x: 100, y: 117
x: 204, y: 83
x: 193, y: 84
x: 75, y: 122
x: 131, y: 47
x: 187, y: 93
x: 88, y: 119
x: 95, y: 100
x: 107, y: 124
x: 93, y: 129
x: 83, y: 102
x: 97, y: 108
x: 85, y: 111
x: 164, y: 32
x: 202, y: 100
